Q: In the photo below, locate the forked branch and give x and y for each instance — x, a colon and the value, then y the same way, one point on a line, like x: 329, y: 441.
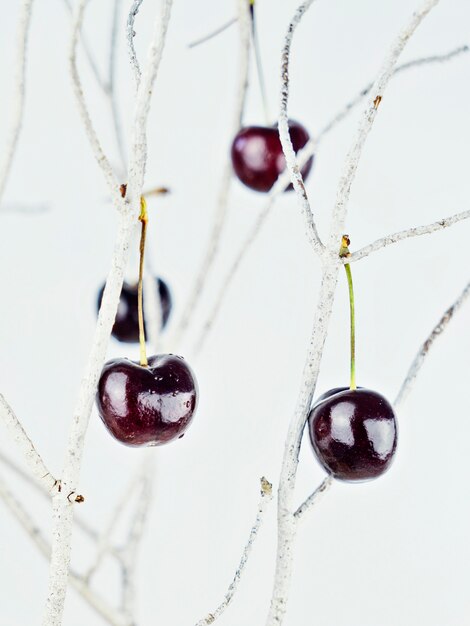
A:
x: 266, y: 497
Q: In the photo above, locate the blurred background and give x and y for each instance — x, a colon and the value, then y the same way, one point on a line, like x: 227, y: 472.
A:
x: 390, y: 552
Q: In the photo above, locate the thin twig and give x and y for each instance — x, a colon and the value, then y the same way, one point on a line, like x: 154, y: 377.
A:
x: 88, y: 53
x: 416, y: 231
x: 102, y: 160
x: 427, y: 345
x: 428, y: 60
x: 286, y: 513
x: 266, y: 497
x: 111, y: 92
x: 33, y: 460
x: 19, y: 89
x: 313, y: 498
x: 130, y: 41
x: 111, y: 616
x: 220, y: 216
x: 135, y: 534
x: 286, y: 142
x: 213, y: 33
x: 104, y: 543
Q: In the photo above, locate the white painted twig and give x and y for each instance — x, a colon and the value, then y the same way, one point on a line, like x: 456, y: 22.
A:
x: 423, y: 352
x: 287, y: 147
x: 130, y: 40
x: 313, y: 498
x: 266, y: 497
x: 135, y: 535
x: 130, y: 210
x: 105, y: 539
x: 416, y: 231
x: 109, y: 614
x: 101, y: 158
x: 286, y: 514
x: 427, y: 60
x: 88, y: 53
x: 111, y: 87
x: 308, y: 151
x: 213, y: 33
x: 25, y: 446
x: 220, y: 216
x: 18, y: 95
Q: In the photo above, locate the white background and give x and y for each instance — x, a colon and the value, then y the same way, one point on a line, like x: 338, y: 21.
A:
x: 390, y: 552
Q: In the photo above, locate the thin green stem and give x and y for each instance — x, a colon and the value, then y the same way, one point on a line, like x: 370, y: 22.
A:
x: 143, y: 219
x: 347, y: 267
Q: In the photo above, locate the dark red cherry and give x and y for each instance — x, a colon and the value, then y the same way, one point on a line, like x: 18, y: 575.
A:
x: 147, y: 406
x: 257, y: 156
x: 126, y: 325
x: 353, y: 433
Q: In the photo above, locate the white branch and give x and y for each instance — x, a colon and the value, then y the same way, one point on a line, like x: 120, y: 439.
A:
x: 100, y: 157
x: 18, y: 96
x: 33, y: 460
x: 136, y: 532
x: 266, y: 497
x: 220, y: 216
x: 287, y: 147
x: 105, y: 539
x: 111, y: 90
x: 112, y: 616
x: 286, y: 514
x: 89, y: 55
x: 427, y: 345
x: 313, y: 498
x: 213, y: 33
x: 130, y: 40
x: 62, y: 509
x: 416, y: 231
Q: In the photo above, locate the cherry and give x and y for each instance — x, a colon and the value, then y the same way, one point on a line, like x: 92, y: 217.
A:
x: 257, y: 155
x: 126, y: 325
x: 353, y: 433
x: 147, y: 405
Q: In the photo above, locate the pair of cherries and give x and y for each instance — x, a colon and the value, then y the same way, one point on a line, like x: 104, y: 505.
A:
x: 145, y: 405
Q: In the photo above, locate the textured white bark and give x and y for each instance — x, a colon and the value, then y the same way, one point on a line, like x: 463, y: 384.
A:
x: 266, y: 497
x: 25, y: 446
x: 331, y: 264
x: 287, y: 147
x: 19, y: 88
x: 423, y: 352
x: 416, y: 231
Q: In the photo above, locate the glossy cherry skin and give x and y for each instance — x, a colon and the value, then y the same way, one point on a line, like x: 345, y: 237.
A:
x: 257, y: 156
x: 353, y: 433
x: 147, y: 406
x: 126, y: 325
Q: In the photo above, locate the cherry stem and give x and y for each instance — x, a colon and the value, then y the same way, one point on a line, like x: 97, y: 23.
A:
x: 259, y: 66
x: 344, y: 252
x: 143, y: 218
